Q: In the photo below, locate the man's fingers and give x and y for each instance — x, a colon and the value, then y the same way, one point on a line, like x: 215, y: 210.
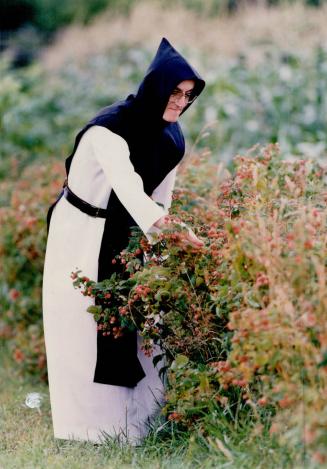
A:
x: 192, y: 239
x: 186, y: 238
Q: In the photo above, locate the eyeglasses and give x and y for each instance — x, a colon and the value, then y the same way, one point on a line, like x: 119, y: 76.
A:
x: 177, y: 94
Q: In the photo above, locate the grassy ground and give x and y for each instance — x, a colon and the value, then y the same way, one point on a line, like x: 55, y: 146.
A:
x: 26, y: 441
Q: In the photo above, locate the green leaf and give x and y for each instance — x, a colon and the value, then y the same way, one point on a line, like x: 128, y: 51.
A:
x: 94, y: 309
x: 180, y: 362
x: 323, y: 361
x: 253, y: 303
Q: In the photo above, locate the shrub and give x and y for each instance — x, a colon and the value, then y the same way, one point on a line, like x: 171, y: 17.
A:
x: 242, y: 322
x: 22, y: 249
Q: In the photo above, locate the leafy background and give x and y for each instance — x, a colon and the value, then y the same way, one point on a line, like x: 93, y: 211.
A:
x: 248, y: 346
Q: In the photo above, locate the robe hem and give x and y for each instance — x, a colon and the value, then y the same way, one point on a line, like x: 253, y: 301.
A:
x: 118, y: 382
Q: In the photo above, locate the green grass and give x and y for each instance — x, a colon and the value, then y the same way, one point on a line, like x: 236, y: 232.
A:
x: 26, y: 440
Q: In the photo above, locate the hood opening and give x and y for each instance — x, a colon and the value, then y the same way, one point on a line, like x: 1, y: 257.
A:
x: 166, y: 71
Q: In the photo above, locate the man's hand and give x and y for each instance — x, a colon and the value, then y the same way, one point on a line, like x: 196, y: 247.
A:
x: 188, y: 238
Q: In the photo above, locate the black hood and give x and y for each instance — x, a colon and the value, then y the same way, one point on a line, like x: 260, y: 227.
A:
x: 138, y: 118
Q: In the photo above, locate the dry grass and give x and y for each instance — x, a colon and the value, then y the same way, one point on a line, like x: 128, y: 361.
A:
x: 291, y: 27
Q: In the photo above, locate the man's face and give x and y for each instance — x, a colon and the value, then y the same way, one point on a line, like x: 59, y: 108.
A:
x: 179, y: 98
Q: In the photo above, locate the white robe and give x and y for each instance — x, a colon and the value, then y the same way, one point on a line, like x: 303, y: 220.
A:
x: 82, y: 409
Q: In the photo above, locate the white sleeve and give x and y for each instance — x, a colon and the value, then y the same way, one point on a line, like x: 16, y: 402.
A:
x: 163, y: 193
x: 112, y: 153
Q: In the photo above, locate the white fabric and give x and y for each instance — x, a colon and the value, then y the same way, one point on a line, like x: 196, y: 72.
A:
x: 82, y: 409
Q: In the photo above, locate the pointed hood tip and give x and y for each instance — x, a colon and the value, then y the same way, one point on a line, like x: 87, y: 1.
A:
x: 164, y: 40
x: 177, y: 55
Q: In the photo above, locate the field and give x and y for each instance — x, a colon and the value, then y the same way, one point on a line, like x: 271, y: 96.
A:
x: 245, y: 322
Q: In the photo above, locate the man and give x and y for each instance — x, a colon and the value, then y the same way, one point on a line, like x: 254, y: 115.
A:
x: 123, y: 162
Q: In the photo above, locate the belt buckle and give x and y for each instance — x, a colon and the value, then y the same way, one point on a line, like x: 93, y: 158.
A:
x: 97, y: 212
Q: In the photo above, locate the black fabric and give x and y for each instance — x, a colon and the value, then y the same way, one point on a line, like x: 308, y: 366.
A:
x: 84, y: 206
x: 156, y: 147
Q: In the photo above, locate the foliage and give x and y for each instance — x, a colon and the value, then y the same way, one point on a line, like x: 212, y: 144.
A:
x: 242, y: 323
x: 41, y: 114
x: 280, y: 99
x: 48, y: 15
x: 278, y: 254
x: 275, y: 266
x: 22, y: 246
x: 110, y: 298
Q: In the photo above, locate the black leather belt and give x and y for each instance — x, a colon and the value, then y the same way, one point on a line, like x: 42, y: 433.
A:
x: 85, y: 207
